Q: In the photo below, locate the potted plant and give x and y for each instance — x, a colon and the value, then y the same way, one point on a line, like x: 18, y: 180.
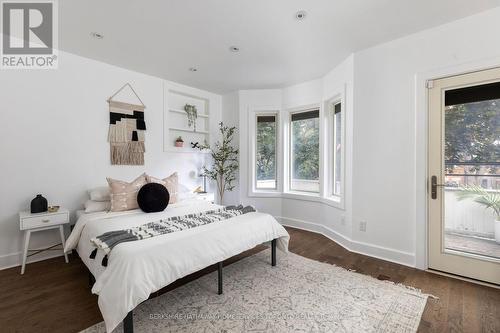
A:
x: 192, y: 115
x: 179, y: 142
x: 225, y: 161
x: 488, y: 199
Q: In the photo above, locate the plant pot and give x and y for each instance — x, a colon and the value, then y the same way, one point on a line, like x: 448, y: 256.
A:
x: 179, y: 143
x: 497, y: 231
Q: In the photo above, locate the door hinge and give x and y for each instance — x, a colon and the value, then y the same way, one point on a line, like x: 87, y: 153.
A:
x: 430, y: 84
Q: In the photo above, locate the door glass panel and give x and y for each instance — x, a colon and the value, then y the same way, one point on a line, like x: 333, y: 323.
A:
x: 472, y: 165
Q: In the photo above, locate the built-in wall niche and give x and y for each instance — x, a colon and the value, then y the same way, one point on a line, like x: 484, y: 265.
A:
x: 177, y: 122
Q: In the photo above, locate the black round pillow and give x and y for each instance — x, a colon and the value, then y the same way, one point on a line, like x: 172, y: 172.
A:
x: 153, y: 198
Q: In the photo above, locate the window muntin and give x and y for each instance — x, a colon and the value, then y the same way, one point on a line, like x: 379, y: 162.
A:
x: 304, y: 151
x: 337, y: 143
x: 266, y: 152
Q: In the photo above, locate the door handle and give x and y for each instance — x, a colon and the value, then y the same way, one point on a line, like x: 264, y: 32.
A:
x: 434, y: 186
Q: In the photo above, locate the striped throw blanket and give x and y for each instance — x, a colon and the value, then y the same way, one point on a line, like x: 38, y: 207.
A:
x: 107, y: 241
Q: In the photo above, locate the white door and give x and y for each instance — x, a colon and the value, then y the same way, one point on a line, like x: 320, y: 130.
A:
x: 464, y: 175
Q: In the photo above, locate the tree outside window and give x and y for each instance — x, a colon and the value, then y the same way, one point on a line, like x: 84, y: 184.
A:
x: 305, y: 151
x: 266, y: 167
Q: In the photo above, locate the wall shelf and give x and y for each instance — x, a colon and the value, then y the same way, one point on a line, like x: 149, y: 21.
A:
x: 187, y: 150
x: 187, y: 130
x: 184, y: 112
x: 176, y: 121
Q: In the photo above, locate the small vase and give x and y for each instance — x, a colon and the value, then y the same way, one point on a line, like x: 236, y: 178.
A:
x: 39, y: 204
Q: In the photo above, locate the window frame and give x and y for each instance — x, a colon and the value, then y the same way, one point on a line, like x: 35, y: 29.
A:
x: 288, y: 191
x: 253, y: 191
x: 329, y: 195
x: 283, y: 151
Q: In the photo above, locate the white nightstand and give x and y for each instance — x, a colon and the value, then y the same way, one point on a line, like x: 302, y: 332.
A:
x: 30, y: 223
x: 210, y: 197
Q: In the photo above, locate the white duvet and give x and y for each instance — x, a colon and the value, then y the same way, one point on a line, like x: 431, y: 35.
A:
x: 137, y: 269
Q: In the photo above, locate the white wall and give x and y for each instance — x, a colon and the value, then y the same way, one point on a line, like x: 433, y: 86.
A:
x: 54, y: 138
x: 248, y: 99
x: 389, y: 162
x: 385, y: 154
x: 297, y: 212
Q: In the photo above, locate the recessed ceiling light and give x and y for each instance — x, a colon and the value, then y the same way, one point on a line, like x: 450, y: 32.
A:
x: 193, y: 69
x: 234, y: 49
x: 300, y: 15
x: 97, y: 35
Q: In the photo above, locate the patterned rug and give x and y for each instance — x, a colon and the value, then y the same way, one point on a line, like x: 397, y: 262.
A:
x: 299, y: 295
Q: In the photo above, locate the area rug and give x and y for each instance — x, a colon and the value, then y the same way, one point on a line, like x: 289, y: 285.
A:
x: 299, y: 295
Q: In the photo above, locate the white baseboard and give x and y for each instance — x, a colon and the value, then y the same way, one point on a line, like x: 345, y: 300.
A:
x: 371, y: 250
x: 16, y: 259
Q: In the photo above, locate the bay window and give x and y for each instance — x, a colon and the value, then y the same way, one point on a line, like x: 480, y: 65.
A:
x: 299, y: 153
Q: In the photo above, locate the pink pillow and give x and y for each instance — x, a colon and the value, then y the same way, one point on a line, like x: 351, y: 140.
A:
x: 124, y: 195
x: 171, y: 183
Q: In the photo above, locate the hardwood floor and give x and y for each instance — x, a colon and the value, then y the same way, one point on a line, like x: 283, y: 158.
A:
x: 54, y: 297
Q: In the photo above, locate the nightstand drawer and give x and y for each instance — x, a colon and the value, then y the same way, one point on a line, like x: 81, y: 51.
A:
x: 44, y: 221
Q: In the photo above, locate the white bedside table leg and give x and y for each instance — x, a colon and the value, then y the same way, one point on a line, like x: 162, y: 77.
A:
x: 61, y: 231
x: 27, y: 235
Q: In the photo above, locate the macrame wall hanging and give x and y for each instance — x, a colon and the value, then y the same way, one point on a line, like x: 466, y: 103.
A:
x: 126, y: 130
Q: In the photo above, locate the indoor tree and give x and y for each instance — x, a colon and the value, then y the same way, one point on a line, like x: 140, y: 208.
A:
x: 225, y: 160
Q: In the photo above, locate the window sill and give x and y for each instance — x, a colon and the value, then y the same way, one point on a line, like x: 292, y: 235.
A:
x: 264, y: 194
x: 334, y: 201
x: 296, y: 195
x: 331, y: 201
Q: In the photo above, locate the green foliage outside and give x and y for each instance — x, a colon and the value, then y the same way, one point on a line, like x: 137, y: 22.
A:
x: 305, y: 146
x: 473, y: 133
x: 487, y: 199
x: 266, y: 150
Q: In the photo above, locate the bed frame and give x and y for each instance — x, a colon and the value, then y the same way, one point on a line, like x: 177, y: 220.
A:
x: 128, y: 322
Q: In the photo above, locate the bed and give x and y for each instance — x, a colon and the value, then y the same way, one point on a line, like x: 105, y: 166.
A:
x: 137, y: 269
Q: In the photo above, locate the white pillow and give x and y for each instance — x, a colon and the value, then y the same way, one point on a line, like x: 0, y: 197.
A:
x: 183, y: 188
x: 92, y: 206
x: 102, y: 193
x: 185, y: 193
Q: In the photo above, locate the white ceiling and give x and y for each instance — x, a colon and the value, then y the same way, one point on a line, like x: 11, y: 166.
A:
x: 166, y: 37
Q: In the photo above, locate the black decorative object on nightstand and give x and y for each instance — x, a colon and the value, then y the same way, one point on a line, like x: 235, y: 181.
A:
x: 39, y: 204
